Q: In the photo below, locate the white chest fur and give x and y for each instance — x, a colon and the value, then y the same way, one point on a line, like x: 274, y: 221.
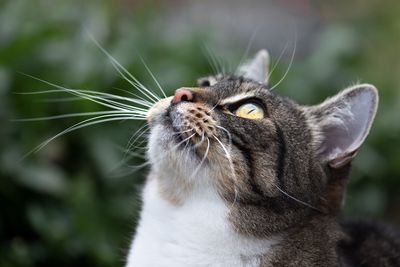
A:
x: 196, y: 233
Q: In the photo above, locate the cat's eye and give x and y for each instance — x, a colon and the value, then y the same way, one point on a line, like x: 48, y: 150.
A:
x: 250, y: 111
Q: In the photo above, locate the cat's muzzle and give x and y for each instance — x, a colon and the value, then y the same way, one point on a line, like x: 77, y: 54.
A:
x: 192, y: 120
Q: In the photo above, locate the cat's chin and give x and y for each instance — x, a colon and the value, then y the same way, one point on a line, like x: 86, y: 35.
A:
x: 169, y: 150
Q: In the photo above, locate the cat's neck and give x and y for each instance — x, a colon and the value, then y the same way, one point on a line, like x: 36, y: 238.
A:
x: 193, y: 233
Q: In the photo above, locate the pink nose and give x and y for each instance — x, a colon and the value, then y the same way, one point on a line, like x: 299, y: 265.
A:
x: 181, y: 95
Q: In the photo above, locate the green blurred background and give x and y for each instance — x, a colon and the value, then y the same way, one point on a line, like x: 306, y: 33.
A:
x: 75, y: 202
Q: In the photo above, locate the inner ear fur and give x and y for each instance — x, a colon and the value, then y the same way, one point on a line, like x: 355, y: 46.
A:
x: 340, y: 124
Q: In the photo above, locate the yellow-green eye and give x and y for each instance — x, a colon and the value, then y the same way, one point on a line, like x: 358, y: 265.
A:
x: 250, y: 111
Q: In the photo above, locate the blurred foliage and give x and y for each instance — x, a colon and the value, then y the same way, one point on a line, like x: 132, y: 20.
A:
x: 75, y: 202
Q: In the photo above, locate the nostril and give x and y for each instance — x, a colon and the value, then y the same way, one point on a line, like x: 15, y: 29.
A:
x: 184, y: 98
x: 182, y: 95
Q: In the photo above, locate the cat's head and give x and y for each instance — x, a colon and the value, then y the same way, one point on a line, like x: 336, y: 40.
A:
x: 254, y: 147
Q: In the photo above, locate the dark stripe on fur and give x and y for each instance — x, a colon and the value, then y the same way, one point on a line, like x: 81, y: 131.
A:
x: 280, y: 168
x: 249, y: 163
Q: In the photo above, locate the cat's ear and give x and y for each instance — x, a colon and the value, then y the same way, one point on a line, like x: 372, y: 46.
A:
x: 341, y: 123
x: 257, y: 68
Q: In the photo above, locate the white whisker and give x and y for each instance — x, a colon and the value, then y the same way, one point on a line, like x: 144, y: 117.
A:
x: 181, y: 142
x: 277, y: 61
x: 85, y: 123
x: 142, y: 129
x: 131, y: 154
x: 216, y: 105
x: 139, y: 86
x: 227, y: 132
x: 228, y: 157
x: 138, y: 97
x: 153, y: 77
x: 96, y: 99
x: 200, y: 142
x: 246, y: 51
x: 203, y: 159
x: 134, y: 168
x: 181, y: 132
x: 83, y: 114
x: 60, y: 99
x: 79, y: 93
x: 289, y: 66
x: 124, y: 72
x: 135, y: 137
x: 211, y: 60
x: 296, y: 199
x: 217, y: 62
x: 131, y: 169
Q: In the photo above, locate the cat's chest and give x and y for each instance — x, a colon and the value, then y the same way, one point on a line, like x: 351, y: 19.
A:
x: 196, y: 233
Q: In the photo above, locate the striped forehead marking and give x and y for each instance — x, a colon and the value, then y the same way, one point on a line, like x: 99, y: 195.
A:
x: 236, y: 98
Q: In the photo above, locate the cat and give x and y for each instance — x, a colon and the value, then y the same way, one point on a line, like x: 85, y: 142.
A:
x: 241, y: 176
